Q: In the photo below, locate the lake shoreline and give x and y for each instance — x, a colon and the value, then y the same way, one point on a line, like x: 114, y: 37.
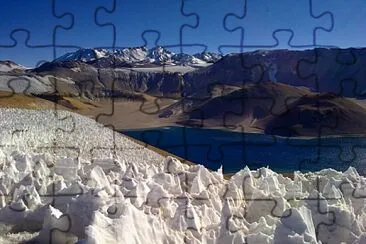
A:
x: 246, y: 132
x: 234, y: 150
x: 185, y: 161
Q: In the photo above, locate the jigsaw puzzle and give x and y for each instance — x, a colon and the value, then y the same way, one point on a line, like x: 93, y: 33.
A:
x: 226, y: 84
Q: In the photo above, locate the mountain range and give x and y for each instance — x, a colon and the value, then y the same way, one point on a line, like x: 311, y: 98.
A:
x: 160, y: 72
x: 277, y: 87
x: 138, y: 57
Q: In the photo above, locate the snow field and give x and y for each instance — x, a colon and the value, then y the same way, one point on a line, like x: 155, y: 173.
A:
x: 134, y: 195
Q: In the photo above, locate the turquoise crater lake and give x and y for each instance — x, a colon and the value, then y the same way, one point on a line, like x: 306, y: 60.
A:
x: 234, y: 150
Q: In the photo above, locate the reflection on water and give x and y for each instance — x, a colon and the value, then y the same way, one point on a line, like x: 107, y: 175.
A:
x: 234, y: 150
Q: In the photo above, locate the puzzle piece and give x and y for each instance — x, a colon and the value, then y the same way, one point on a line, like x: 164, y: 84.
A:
x: 324, y: 217
x: 318, y: 143
x: 342, y: 10
x: 74, y: 36
x: 252, y: 199
x: 38, y: 34
x: 333, y: 71
x: 21, y: 47
x: 269, y: 23
x: 210, y: 14
x: 318, y: 200
x: 56, y: 228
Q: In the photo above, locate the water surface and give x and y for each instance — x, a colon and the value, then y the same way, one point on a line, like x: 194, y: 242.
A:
x: 213, y: 148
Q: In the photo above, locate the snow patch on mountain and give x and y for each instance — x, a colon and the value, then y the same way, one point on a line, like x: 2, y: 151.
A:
x: 208, y: 57
x: 84, y: 55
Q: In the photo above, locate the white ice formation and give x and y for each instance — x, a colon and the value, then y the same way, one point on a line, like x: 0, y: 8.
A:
x: 52, y: 193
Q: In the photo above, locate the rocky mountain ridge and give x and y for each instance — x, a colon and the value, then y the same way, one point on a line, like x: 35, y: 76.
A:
x: 340, y: 71
x: 138, y: 57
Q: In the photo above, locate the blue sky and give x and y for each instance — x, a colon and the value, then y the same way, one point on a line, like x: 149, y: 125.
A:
x: 36, y: 31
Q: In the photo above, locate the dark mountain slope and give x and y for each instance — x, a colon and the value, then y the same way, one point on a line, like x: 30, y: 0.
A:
x: 238, y: 106
x: 273, y: 108
x: 317, y: 115
x: 340, y: 71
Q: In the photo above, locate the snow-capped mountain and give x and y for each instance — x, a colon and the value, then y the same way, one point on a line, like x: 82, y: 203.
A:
x: 208, y: 57
x: 84, y: 55
x: 139, y: 70
x: 160, y: 55
x: 137, y: 56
